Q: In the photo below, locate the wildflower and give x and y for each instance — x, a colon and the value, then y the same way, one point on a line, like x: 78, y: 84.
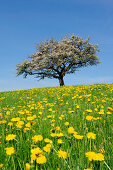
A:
x: 59, y: 135
x: 60, y: 117
x: 91, y: 135
x: 27, y: 166
x: 77, y: 106
x: 89, y: 110
x: 95, y: 156
x: 15, y: 119
x: 30, y: 118
x: 26, y: 129
x: 28, y: 124
x: 9, y: 150
x: 47, y: 140
x: 47, y: 148
x: 78, y: 136
x: 40, y: 113
x: 59, y: 141
x: 89, y: 117
x: 10, y: 124
x: 33, y: 157
x: 90, y: 155
x: 10, y: 137
x: 66, y: 123
x: 37, y: 138
x: 53, y: 134
x: 1, y: 165
x: 109, y: 113
x: 58, y: 128
x: 41, y: 159
x: 101, y: 112
x: 99, y: 157
x: 71, y: 130
x: 62, y: 154
x: 36, y: 151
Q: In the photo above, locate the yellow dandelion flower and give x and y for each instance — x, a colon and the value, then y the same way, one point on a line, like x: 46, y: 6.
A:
x: 78, y: 136
x: 89, y: 117
x: 59, y: 135
x: 27, y: 166
x: 62, y: 154
x: 66, y: 123
x: 91, y: 135
x: 47, y: 140
x: 101, y: 112
x: 10, y: 137
x: 15, y: 119
x: 59, y: 141
x: 90, y: 155
x: 71, y: 130
x: 47, y: 148
x: 99, y: 157
x: 60, y: 117
x: 9, y: 150
x: 36, y: 151
x: 58, y: 128
x: 1, y: 165
x: 41, y: 159
x: 109, y: 113
x: 28, y: 124
x: 10, y: 124
x: 33, y: 157
x: 37, y: 138
x: 89, y: 110
x: 95, y: 156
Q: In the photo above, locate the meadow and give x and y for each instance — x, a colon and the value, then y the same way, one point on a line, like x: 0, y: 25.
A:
x: 57, y: 128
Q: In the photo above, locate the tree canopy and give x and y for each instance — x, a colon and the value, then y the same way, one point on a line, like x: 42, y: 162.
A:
x: 55, y: 59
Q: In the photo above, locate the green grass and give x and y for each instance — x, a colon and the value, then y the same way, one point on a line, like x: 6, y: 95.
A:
x: 49, y: 109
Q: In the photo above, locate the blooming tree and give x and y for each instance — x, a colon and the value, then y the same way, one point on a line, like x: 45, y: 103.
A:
x: 55, y: 59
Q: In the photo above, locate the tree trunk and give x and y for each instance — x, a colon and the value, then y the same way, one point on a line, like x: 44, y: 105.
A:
x: 61, y: 81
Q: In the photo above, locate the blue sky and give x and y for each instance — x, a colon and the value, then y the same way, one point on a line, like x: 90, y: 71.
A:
x: 25, y: 22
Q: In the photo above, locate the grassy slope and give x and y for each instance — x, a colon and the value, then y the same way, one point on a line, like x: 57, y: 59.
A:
x: 52, y: 107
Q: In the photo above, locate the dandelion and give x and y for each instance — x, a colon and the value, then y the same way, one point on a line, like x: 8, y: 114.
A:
x: 47, y: 140
x: 78, y: 136
x: 41, y: 159
x: 58, y: 128
x: 9, y: 150
x: 71, y: 130
x: 37, y: 138
x: 10, y: 137
x: 10, y: 124
x: 33, y: 157
x: 1, y: 165
x: 59, y: 135
x: 36, y: 151
x: 91, y: 135
x: 95, y: 156
x: 27, y: 166
x: 47, y: 148
x: 89, y: 110
x: 62, y: 154
x: 59, y: 141
x: 66, y: 123
x: 89, y: 117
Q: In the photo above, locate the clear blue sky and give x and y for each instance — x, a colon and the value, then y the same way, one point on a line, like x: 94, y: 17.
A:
x: 25, y: 22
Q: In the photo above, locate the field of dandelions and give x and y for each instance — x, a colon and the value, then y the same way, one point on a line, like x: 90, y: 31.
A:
x: 57, y: 128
